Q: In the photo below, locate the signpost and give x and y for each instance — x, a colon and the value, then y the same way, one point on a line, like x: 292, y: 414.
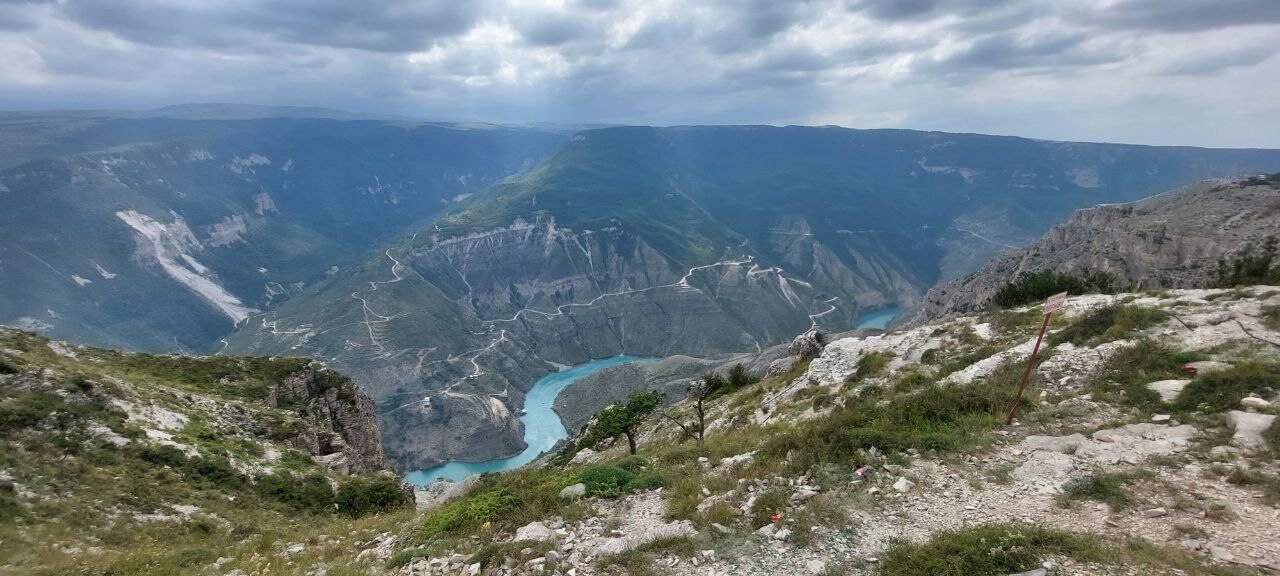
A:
x: 1051, y: 305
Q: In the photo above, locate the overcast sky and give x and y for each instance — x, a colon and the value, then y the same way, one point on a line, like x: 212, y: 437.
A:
x: 1201, y: 72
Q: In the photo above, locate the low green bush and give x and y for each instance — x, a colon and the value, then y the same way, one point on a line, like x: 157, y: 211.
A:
x: 611, y: 481
x: 605, y: 481
x: 1107, y: 487
x: 1109, y: 323
x: 633, y: 464
x: 1123, y: 378
x: 943, y: 418
x: 467, y: 514
x: 1222, y: 390
x: 360, y: 495
x: 1036, y: 286
x: 9, y: 507
x: 307, y: 493
x: 28, y: 409
x: 772, y: 501
x: 984, y: 550
x: 1249, y: 268
x: 870, y: 364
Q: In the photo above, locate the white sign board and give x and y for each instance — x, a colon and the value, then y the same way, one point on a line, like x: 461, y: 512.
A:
x: 1055, y: 302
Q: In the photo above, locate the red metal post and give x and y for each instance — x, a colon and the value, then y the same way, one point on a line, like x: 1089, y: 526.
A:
x: 1022, y: 386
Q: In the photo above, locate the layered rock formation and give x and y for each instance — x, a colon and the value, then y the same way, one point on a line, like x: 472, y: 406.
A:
x: 1172, y: 240
x: 342, y: 428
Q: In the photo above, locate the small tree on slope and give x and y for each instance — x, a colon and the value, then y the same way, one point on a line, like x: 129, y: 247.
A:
x: 623, y: 419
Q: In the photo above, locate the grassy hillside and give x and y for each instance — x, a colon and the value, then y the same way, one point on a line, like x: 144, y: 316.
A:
x: 118, y: 463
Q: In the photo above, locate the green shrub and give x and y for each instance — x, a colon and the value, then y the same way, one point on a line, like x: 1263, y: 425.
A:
x: 772, y: 501
x: 633, y: 464
x: 8, y: 366
x: 360, y: 495
x: 9, y: 506
x: 1249, y: 268
x: 1109, y: 323
x: 605, y: 481
x: 1123, y: 378
x: 189, y: 557
x: 163, y: 456
x: 1036, y: 286
x: 1222, y: 390
x: 1110, y: 488
x: 210, y: 471
x: 983, y: 550
x: 870, y: 364
x: 28, y: 409
x: 213, y: 471
x: 737, y: 379
x: 943, y: 418
x: 467, y: 513
x: 645, y: 481
x: 309, y: 493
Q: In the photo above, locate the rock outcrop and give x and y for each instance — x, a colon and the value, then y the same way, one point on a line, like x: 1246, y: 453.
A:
x: 342, y: 429
x: 1171, y: 240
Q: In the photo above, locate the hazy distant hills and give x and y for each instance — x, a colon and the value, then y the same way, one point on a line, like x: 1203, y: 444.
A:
x: 152, y: 233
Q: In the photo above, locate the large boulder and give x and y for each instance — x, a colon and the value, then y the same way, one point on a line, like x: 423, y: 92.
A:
x: 807, y: 345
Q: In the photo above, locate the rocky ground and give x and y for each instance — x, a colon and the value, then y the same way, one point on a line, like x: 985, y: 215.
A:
x: 1192, y: 481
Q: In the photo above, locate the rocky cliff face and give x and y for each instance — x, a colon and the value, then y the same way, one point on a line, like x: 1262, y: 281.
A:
x: 449, y: 335
x: 342, y: 424
x: 1172, y: 240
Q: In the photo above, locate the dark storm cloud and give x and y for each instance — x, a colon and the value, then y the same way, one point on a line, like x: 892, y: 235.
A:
x: 1210, y: 64
x: 548, y: 28
x: 386, y: 26
x: 1009, y: 51
x: 1183, y: 15
x: 904, y: 10
x: 745, y: 25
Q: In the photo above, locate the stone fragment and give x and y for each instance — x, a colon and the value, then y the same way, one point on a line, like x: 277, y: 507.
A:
x: 1168, y: 389
x: 1248, y: 428
x: 574, y: 492
x: 1220, y: 554
x: 1155, y: 513
x: 1254, y: 402
x: 534, y: 531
